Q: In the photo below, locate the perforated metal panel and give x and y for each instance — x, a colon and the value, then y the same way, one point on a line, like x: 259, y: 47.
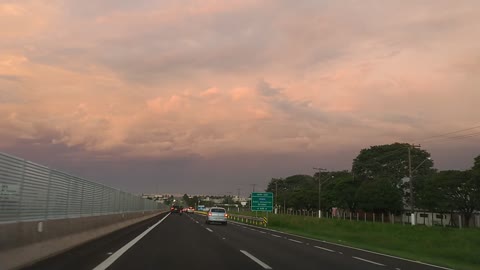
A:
x: 30, y: 191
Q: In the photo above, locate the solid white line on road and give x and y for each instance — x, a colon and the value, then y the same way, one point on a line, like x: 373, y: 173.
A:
x: 261, y: 232
x: 208, y: 229
x: 253, y: 258
x: 296, y: 241
x: 322, y: 248
x: 105, y: 264
x: 274, y: 235
x: 372, y: 262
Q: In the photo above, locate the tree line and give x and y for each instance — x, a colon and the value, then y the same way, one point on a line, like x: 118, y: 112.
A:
x: 379, y: 182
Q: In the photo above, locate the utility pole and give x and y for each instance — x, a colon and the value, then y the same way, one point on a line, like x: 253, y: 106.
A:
x: 276, y: 196
x: 410, y: 176
x: 253, y: 185
x: 319, y: 191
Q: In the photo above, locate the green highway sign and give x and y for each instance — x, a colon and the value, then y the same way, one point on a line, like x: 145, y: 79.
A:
x: 262, y: 201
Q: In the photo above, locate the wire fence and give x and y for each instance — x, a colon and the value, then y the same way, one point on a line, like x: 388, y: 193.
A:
x: 422, y: 217
x: 30, y: 191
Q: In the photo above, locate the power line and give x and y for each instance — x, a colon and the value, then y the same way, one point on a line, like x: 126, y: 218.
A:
x: 440, y: 136
x: 459, y: 137
x: 465, y: 136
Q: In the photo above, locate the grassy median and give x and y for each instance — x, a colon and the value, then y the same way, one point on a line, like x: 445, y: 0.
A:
x: 450, y: 247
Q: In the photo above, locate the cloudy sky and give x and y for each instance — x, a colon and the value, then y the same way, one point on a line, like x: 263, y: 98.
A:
x: 210, y: 96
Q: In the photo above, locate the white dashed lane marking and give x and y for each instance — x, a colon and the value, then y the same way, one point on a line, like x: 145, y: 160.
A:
x: 372, y: 262
x: 322, y: 248
x: 296, y: 241
x: 253, y: 258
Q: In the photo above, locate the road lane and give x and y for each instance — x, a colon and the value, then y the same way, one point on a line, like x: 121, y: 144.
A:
x: 180, y: 243
x: 183, y: 242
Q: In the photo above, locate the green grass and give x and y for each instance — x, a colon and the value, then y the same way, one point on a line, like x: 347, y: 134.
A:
x: 450, y: 247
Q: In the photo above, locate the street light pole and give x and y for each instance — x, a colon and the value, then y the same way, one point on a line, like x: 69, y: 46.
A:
x: 319, y: 191
x: 412, y: 209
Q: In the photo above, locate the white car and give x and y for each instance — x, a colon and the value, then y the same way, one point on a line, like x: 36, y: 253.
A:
x: 217, y: 214
x: 190, y: 210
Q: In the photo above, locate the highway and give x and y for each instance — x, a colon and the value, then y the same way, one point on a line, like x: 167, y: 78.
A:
x: 171, y: 241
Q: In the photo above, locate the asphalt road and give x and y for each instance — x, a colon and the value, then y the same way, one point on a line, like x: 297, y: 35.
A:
x: 186, y: 242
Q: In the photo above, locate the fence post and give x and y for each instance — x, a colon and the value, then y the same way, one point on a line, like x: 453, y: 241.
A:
x: 365, y: 216
x: 382, y: 217
x: 350, y: 216
x: 357, y: 216
x: 459, y: 221
x: 373, y: 217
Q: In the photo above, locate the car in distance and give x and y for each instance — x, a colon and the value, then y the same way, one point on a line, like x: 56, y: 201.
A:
x: 175, y: 209
x: 190, y: 210
x: 217, y: 214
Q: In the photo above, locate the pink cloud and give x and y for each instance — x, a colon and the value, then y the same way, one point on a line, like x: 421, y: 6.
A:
x: 226, y: 77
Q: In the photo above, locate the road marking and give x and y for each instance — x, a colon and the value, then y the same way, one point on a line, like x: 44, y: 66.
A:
x: 296, y: 241
x: 360, y: 249
x: 196, y: 221
x: 322, y: 248
x: 109, y: 253
x: 372, y: 262
x: 105, y: 264
x: 208, y: 229
x: 274, y: 235
x: 253, y: 258
x: 261, y: 232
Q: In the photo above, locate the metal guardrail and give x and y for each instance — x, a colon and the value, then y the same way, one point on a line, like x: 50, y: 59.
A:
x: 30, y: 191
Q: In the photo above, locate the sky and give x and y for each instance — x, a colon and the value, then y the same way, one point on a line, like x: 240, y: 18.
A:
x: 214, y: 96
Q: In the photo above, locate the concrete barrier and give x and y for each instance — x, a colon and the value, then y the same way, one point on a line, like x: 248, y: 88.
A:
x: 23, y: 243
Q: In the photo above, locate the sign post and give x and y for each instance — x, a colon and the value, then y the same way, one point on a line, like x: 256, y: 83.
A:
x: 262, y: 201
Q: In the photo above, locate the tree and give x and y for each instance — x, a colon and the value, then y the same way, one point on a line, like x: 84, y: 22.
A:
x: 169, y: 200
x: 456, y: 191
x: 344, y: 191
x: 390, y: 162
x: 476, y: 181
x: 297, y: 191
x: 379, y: 195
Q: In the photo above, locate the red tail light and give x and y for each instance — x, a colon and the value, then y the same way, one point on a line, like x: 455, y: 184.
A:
x: 226, y: 215
x: 209, y: 214
x: 171, y: 208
